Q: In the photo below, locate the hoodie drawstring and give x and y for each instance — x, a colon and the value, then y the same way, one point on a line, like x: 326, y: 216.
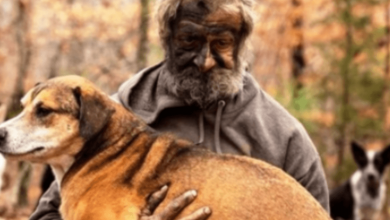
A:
x: 201, y: 129
x: 217, y: 127
x: 221, y: 105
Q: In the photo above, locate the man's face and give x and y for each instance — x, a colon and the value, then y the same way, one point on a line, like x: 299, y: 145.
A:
x: 203, y: 53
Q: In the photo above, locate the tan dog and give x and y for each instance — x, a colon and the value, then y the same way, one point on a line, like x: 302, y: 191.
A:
x: 108, y: 161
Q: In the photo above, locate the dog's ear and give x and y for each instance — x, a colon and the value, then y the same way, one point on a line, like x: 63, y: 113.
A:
x: 385, y: 154
x: 359, y: 154
x: 93, y: 113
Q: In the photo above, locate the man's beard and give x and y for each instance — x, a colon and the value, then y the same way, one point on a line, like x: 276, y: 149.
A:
x: 203, y: 89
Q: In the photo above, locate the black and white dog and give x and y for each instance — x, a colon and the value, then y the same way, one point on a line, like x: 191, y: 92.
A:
x: 365, y: 189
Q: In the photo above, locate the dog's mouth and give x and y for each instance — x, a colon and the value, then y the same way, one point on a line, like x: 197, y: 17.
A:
x: 35, y: 150
x: 373, y: 188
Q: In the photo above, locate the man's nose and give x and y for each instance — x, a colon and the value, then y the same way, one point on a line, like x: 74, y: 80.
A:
x: 205, y: 60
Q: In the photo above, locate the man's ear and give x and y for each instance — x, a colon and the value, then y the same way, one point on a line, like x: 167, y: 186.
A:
x: 359, y: 154
x: 94, y: 114
x: 386, y: 155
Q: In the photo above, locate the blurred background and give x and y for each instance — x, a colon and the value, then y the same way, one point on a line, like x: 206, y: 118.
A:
x: 326, y: 61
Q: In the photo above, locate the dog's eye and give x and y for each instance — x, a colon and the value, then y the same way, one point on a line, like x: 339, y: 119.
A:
x: 43, y: 112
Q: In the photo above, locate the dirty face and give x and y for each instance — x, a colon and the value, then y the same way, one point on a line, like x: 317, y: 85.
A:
x: 46, y: 128
x: 203, y: 52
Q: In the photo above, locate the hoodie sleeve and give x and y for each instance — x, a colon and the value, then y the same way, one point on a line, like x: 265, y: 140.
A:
x: 314, y: 181
x: 304, y: 164
x: 48, y: 205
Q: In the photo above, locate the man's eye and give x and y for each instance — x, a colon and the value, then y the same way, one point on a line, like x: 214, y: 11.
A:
x: 43, y: 112
x: 223, y: 44
x: 188, y: 42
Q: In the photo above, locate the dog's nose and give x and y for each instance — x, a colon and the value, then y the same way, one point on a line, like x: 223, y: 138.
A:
x: 371, y: 177
x: 3, y: 134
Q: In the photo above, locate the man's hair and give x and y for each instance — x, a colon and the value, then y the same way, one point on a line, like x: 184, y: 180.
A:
x: 166, y: 11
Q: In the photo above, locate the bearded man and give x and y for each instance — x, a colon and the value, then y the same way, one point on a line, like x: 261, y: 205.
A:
x: 202, y: 92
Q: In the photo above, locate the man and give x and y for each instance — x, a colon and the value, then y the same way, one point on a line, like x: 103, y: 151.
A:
x: 201, y: 92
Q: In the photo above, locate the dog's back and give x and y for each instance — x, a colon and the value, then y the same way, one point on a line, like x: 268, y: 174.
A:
x: 236, y: 183
x: 235, y: 187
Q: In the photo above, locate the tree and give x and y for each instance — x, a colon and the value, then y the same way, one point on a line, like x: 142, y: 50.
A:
x: 354, y: 81
x: 143, y: 36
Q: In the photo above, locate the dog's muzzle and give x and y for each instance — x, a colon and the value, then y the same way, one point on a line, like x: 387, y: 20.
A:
x: 372, y: 186
x: 3, y: 136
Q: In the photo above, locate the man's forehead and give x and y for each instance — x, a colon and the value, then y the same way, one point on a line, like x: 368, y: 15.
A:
x: 189, y: 27
x: 225, y: 18
x: 204, y: 13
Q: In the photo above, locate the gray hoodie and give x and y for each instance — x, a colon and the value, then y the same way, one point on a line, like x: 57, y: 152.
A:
x: 251, y: 123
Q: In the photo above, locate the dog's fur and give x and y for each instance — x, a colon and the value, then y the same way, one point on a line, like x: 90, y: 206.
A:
x: 365, y: 189
x: 108, y: 161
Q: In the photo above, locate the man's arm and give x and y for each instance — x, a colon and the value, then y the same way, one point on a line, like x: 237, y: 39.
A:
x: 304, y: 164
x: 314, y: 181
x: 48, y: 205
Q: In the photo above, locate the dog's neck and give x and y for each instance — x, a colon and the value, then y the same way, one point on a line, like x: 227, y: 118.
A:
x: 122, y: 128
x: 60, y: 166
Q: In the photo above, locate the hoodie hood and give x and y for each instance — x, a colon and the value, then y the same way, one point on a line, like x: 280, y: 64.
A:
x: 146, y: 95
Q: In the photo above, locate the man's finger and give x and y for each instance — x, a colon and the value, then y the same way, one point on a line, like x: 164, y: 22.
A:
x: 154, y: 200
x: 176, y: 205
x: 200, y: 214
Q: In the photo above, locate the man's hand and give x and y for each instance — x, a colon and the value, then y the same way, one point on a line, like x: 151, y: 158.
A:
x: 174, y: 207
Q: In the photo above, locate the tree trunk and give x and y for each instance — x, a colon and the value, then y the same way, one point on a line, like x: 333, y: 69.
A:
x: 345, y: 72
x: 143, y: 35
x: 386, y: 91
x: 10, y: 59
x: 297, y: 51
x: 21, y: 30
x: 13, y: 28
x: 23, y: 183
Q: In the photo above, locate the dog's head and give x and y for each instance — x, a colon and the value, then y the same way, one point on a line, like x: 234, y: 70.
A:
x: 58, y: 117
x: 372, y: 165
